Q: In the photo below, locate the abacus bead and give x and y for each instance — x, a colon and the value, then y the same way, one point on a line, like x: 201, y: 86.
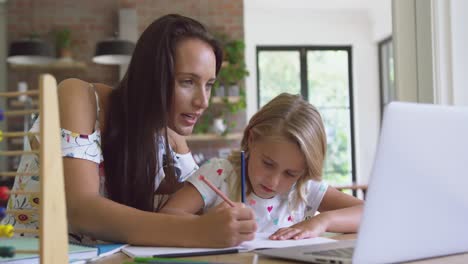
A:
x: 1, y: 114
x: 1, y: 136
x: 4, y: 192
x: 7, y: 252
x: 2, y: 212
x: 6, y: 230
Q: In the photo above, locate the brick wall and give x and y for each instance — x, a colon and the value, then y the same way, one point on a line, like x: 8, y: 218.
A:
x: 220, y: 16
x: 89, y: 21
x: 93, y: 20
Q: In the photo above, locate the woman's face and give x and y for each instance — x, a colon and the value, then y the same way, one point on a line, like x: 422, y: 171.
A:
x: 195, y: 74
x: 274, y: 166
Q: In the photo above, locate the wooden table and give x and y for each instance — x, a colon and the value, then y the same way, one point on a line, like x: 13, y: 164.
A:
x: 247, y: 258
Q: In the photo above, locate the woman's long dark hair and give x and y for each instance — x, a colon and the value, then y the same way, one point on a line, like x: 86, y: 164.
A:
x: 137, y: 115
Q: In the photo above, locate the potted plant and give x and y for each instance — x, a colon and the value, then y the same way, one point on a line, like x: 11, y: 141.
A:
x: 234, y: 51
x: 63, y: 42
x: 234, y: 69
x: 230, y: 80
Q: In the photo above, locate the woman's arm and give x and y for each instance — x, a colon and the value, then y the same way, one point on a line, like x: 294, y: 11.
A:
x: 185, y: 201
x: 92, y: 214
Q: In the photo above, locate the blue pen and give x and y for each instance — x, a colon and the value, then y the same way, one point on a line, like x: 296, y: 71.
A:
x: 242, y: 176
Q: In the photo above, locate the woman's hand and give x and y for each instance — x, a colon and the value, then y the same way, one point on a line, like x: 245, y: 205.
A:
x: 225, y: 226
x: 224, y: 205
x: 309, y: 228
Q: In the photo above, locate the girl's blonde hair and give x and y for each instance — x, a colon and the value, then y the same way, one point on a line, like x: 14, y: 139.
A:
x: 292, y: 118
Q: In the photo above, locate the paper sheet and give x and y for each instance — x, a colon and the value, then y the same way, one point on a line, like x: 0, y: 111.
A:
x: 261, y: 241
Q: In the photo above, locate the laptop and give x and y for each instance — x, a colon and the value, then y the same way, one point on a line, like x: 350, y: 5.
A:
x: 417, y: 202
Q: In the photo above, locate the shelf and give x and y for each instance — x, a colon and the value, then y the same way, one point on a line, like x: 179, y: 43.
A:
x: 56, y: 65
x: 219, y: 99
x: 212, y: 137
x: 16, y: 141
x: 18, y: 104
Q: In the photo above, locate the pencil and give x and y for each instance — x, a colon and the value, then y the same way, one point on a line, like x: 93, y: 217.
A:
x: 167, y: 260
x: 216, y: 190
x: 242, y: 176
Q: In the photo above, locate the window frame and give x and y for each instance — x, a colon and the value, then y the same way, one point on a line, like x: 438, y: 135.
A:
x: 384, y: 89
x: 304, y: 81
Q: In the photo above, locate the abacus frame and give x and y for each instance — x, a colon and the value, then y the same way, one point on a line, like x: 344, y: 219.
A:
x: 53, y: 230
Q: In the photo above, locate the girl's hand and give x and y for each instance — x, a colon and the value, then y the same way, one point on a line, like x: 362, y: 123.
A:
x: 309, y: 228
x: 225, y: 226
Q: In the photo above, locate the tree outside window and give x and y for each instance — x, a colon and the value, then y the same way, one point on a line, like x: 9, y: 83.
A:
x: 322, y: 75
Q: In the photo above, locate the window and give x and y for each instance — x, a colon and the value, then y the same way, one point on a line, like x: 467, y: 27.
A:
x: 322, y: 75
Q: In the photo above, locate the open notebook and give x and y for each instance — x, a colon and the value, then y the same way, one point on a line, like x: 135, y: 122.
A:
x: 76, y: 252
x: 261, y: 241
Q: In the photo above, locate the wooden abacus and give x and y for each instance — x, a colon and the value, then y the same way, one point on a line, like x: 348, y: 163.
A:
x: 53, y: 230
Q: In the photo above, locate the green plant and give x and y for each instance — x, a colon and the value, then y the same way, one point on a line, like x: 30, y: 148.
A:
x: 233, y: 72
x: 234, y: 69
x: 234, y: 107
x: 204, y: 124
x: 63, y: 38
x: 234, y: 51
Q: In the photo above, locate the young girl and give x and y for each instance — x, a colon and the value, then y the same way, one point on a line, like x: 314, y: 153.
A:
x: 285, y: 147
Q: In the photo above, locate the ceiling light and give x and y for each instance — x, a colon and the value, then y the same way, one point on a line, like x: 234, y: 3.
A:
x: 30, y: 52
x: 114, y: 52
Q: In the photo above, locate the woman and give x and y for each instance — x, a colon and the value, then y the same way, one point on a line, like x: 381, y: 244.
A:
x: 143, y: 122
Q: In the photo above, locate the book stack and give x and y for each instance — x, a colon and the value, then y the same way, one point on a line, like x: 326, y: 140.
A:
x: 76, y: 252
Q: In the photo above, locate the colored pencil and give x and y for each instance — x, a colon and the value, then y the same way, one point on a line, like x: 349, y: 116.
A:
x: 216, y: 190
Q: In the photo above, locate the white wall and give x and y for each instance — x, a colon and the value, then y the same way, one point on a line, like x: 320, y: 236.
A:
x: 449, y: 41
x: 303, y: 26
x: 380, y: 12
x: 459, y: 21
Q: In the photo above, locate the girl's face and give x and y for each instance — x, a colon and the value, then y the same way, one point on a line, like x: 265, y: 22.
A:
x: 195, y: 74
x: 274, y: 166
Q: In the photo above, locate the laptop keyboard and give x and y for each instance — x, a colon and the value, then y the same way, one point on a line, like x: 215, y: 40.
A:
x: 340, y: 252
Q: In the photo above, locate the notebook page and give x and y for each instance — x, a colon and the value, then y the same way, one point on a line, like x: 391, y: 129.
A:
x: 261, y: 241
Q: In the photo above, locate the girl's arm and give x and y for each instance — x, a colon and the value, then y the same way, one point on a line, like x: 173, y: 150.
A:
x: 341, y: 212
x: 195, y: 194
x: 91, y: 214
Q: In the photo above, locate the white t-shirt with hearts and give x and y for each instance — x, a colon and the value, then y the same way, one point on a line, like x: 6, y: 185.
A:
x: 270, y: 214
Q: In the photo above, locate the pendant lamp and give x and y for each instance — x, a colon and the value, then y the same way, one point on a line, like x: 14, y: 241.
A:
x: 114, y: 52
x: 30, y: 52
